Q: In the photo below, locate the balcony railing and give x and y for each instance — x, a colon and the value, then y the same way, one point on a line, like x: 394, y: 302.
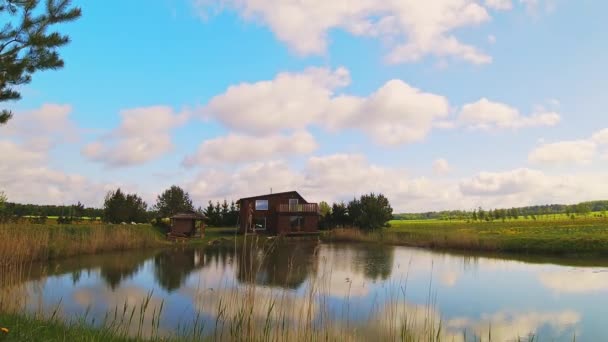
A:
x: 298, y: 208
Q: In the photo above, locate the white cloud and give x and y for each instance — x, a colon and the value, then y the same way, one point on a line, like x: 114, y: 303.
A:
x: 26, y: 178
x: 503, y: 183
x: 600, y: 137
x: 524, y: 186
x: 564, y: 152
x: 25, y: 174
x: 569, y: 152
x: 291, y: 100
x: 243, y: 148
x: 441, y: 166
x: 485, y: 114
x: 411, y: 29
x: 397, y: 113
x: 42, y: 128
x: 143, y: 135
x: 499, y: 4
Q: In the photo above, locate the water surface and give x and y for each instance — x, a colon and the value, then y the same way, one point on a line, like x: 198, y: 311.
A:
x: 472, y: 295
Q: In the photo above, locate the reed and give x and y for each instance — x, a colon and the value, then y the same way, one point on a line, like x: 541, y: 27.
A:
x: 22, y: 244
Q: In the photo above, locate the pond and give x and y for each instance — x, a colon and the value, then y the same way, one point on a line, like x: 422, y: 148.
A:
x: 356, y: 291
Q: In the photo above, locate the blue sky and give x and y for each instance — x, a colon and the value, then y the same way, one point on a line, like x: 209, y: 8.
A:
x: 443, y: 104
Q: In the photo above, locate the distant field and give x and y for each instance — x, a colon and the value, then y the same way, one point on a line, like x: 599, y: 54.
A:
x: 583, y: 235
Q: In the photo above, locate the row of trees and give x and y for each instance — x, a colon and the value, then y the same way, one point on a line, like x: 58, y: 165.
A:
x: 121, y: 207
x: 479, y: 214
x: 369, y: 212
x: 221, y: 215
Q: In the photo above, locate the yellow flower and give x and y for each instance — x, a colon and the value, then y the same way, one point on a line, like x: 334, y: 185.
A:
x: 4, y: 330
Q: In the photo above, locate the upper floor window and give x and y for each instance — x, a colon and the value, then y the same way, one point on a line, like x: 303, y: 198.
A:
x: 261, y: 205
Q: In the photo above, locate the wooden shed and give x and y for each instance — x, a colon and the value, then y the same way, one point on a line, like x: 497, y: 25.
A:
x: 187, y: 224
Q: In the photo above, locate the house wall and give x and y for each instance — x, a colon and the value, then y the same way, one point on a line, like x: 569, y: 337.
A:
x: 274, y: 222
x: 310, y: 222
x: 185, y: 226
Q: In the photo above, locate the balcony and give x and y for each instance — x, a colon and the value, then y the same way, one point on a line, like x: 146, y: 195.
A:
x: 298, y: 208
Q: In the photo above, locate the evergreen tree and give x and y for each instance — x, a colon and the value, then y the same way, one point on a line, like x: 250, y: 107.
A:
x: 26, y: 46
x: 225, y: 214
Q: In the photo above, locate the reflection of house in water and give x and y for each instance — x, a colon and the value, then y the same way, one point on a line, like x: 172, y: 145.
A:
x: 171, y: 268
x: 284, y: 265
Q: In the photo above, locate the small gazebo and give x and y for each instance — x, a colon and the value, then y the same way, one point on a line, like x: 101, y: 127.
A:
x: 186, y: 224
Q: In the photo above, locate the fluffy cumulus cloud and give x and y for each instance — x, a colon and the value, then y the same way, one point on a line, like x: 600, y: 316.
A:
x: 396, y: 113
x: 26, y: 143
x: 485, y: 114
x: 290, y: 101
x: 236, y: 148
x: 570, y: 152
x: 411, y: 29
x: 143, y: 135
x: 42, y: 128
x: 564, y: 152
x: 524, y: 186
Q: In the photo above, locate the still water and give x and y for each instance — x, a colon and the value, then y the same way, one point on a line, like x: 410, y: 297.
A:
x: 468, y: 295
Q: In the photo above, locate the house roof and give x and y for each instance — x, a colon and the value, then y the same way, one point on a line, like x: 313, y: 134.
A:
x: 271, y: 195
x: 188, y: 215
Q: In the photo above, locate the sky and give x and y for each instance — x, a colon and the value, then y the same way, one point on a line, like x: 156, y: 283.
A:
x: 441, y: 104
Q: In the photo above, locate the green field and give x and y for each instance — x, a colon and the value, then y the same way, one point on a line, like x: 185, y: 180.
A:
x: 545, y: 235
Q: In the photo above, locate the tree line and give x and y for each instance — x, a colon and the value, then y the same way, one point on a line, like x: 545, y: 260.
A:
x: 369, y: 212
x: 120, y: 207
x: 479, y: 214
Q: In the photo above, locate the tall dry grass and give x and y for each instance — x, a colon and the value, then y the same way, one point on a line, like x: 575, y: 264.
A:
x: 22, y: 244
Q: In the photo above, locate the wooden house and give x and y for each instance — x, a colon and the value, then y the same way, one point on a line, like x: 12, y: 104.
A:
x: 186, y: 224
x: 284, y: 213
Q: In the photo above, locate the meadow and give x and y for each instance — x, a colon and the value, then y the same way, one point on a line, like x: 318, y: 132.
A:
x: 552, y: 234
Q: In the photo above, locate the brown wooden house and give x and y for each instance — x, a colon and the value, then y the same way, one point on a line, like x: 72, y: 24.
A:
x: 186, y: 224
x: 284, y: 213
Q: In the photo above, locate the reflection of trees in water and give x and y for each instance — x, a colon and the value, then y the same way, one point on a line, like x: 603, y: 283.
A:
x: 172, y: 267
x: 374, y: 262
x: 116, y: 269
x: 281, y: 264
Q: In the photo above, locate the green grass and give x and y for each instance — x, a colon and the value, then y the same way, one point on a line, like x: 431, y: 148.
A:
x: 583, y: 235
x: 26, y: 328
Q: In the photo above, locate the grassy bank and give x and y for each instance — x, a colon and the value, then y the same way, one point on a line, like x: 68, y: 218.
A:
x: 566, y: 236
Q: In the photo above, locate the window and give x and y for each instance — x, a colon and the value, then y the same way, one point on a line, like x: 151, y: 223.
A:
x: 293, y: 204
x: 261, y: 205
x: 296, y: 222
x: 259, y: 223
